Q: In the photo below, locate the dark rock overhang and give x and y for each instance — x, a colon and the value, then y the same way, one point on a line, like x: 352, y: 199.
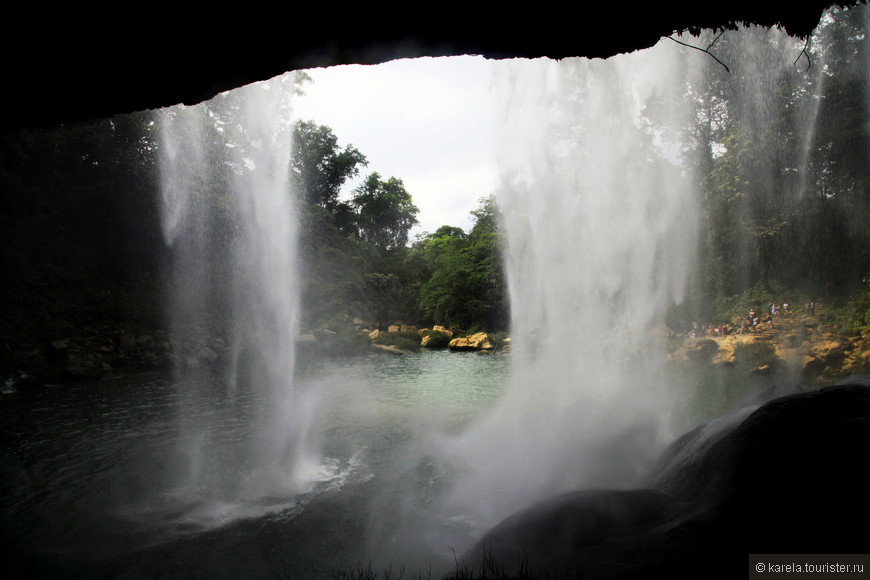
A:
x: 74, y: 67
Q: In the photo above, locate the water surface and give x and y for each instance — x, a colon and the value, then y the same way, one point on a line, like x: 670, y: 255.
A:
x: 97, y: 477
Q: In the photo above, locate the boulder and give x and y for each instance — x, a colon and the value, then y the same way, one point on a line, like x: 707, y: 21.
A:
x: 126, y: 340
x: 661, y: 332
x: 550, y: 538
x: 786, y: 476
x: 435, y: 340
x: 478, y: 341
x: 858, y: 361
x: 206, y: 355
x: 439, y: 328
x: 84, y: 365
x: 60, y: 345
x: 393, y: 328
x: 829, y: 350
x: 727, y: 350
x: 701, y: 350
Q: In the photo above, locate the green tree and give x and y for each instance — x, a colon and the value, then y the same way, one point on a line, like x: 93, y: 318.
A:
x: 353, y: 251
x: 492, y: 309
x: 80, y: 235
x: 320, y: 167
x: 467, y: 282
x: 385, y: 212
x: 445, y: 291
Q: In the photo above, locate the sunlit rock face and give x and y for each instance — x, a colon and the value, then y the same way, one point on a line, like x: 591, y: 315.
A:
x: 477, y: 341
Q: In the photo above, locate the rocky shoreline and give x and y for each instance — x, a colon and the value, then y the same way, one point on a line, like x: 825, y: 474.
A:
x: 100, y: 352
x: 799, y: 343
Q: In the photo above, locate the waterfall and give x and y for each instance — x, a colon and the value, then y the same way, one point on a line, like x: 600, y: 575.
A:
x: 602, y: 166
x: 600, y: 213
x: 229, y: 216
x: 605, y: 209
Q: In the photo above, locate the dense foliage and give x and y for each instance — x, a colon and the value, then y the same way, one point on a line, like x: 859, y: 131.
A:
x: 464, y: 281
x: 80, y: 239
x: 784, y: 166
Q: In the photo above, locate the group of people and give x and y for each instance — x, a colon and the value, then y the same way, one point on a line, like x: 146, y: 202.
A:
x: 752, y: 319
x: 709, y: 329
x: 751, y: 322
x: 773, y: 309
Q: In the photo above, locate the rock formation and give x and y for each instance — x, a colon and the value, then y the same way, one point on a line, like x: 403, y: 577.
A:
x: 478, y: 341
x: 789, y: 476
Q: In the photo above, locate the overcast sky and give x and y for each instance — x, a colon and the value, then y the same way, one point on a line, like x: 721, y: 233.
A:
x: 429, y: 122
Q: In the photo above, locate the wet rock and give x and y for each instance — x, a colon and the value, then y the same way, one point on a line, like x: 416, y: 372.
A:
x: 785, y: 476
x: 701, y: 349
x: 206, y: 355
x: 19, y: 381
x: 831, y: 351
x: 126, y: 341
x: 84, y: 365
x: 555, y: 535
x: 60, y: 345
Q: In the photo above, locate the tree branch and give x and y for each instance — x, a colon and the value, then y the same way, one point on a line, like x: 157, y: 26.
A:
x: 705, y: 50
x: 805, y: 53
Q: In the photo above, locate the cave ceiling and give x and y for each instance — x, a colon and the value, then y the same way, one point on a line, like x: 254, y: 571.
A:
x: 80, y: 66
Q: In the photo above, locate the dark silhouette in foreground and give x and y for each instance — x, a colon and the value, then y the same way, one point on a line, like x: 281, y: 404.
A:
x: 787, y: 477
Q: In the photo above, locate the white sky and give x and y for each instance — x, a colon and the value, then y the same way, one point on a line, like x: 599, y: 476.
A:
x: 429, y: 122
